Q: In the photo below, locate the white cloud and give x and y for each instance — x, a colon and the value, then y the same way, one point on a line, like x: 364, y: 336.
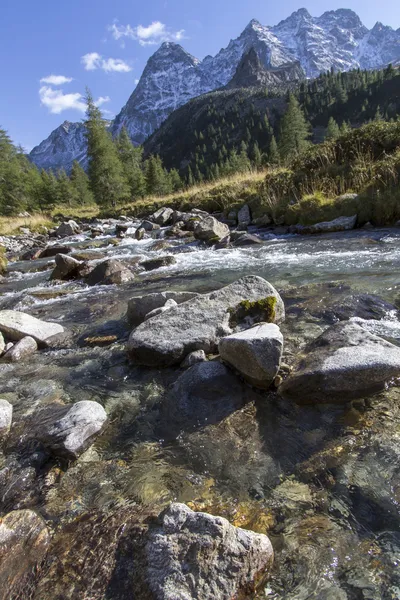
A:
x: 56, y: 101
x: 153, y: 34
x: 56, y: 79
x: 94, y: 60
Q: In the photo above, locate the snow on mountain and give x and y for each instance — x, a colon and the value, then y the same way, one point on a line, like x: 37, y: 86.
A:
x: 337, y: 39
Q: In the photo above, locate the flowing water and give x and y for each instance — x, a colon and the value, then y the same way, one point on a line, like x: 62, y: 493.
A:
x: 323, y: 482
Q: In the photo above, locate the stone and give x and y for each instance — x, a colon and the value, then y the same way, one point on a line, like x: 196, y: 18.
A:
x: 344, y: 363
x: 256, y: 353
x: 6, y: 412
x: 50, y: 251
x: 16, y: 325
x: 194, y: 358
x: 244, y: 216
x: 68, y: 430
x: 66, y: 268
x: 2, y: 344
x: 140, y: 233
x: 210, y: 230
x: 21, y: 349
x: 194, y: 555
x: 110, y: 272
x: 262, y: 221
x: 163, y: 216
x: 24, y: 541
x: 158, y: 263
x: 157, y: 311
x: 200, y: 323
x: 246, y: 239
x: 339, y: 224
x: 8, y: 346
x: 148, y: 226
x: 121, y: 229
x: 67, y: 229
x: 141, y: 306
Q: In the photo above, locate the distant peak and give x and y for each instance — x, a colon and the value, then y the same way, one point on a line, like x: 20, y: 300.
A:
x: 253, y: 23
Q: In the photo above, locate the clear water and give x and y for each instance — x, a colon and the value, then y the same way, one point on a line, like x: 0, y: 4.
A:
x: 323, y: 482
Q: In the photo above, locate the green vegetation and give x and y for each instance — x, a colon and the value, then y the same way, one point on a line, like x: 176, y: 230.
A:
x: 263, y: 310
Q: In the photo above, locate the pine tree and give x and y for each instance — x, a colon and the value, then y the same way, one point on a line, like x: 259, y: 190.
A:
x: 273, y: 153
x: 256, y: 155
x: 49, y: 190
x: 295, y: 130
x: 157, y: 180
x: 65, y: 190
x: 80, y: 184
x: 378, y: 114
x: 107, y: 179
x: 332, y: 131
x: 131, y: 159
x: 190, y: 178
x: 175, y: 180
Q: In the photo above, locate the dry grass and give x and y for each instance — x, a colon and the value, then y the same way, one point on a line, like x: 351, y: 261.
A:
x: 35, y: 223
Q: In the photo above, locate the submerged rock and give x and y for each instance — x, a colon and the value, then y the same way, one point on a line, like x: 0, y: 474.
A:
x: 194, y: 555
x: 21, y: 349
x: 68, y: 430
x: 6, y: 412
x: 141, y: 306
x: 66, y: 267
x: 16, y: 325
x: 200, y: 323
x: 157, y: 263
x: 339, y: 224
x: 210, y: 230
x: 344, y: 363
x: 256, y: 353
x: 109, y: 272
x: 24, y: 540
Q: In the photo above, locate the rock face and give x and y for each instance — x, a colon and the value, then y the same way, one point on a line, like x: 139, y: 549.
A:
x: 66, y: 267
x: 110, y: 272
x: 344, y: 363
x: 21, y: 349
x: 64, y: 145
x: 196, y: 555
x: 17, y: 325
x: 210, y: 230
x: 256, y: 353
x: 339, y: 224
x: 6, y: 412
x: 67, y: 431
x: 24, y: 540
x: 200, y: 323
x: 141, y: 306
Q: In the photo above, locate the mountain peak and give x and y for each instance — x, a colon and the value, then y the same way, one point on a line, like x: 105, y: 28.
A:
x: 253, y: 23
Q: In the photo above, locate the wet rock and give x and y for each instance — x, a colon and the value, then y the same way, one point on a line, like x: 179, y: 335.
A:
x: 363, y: 306
x: 157, y: 263
x: 200, y: 323
x: 31, y: 254
x: 21, y: 350
x: 24, y: 540
x: 96, y: 231
x: 121, y: 229
x: 2, y: 344
x: 210, y: 230
x: 83, y: 255
x: 162, y: 217
x: 66, y: 268
x: 140, y: 234
x: 67, y: 229
x: 262, y: 221
x: 110, y: 272
x: 339, y: 224
x: 68, y: 430
x: 6, y: 412
x: 148, y: 226
x: 246, y: 239
x: 344, y: 363
x: 224, y: 243
x: 225, y: 561
x: 256, y: 353
x: 194, y: 358
x: 53, y: 250
x: 8, y: 346
x: 157, y: 311
x: 16, y: 325
x: 140, y: 306
x: 244, y: 217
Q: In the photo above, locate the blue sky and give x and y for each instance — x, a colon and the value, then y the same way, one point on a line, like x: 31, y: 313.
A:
x: 105, y: 45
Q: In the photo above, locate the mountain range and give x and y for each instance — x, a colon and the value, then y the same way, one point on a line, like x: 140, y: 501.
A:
x: 299, y: 46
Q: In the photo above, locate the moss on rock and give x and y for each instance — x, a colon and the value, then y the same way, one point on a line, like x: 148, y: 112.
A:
x: 258, y: 311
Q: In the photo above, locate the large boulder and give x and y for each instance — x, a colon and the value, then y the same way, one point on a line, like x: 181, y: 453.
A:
x: 200, y: 323
x: 21, y: 349
x: 67, y: 229
x: 194, y: 555
x: 247, y: 239
x: 210, y: 230
x: 163, y: 216
x: 256, y: 353
x: 344, y: 363
x: 109, y: 272
x: 66, y: 267
x: 339, y: 224
x: 141, y: 306
x: 68, y: 430
x: 6, y: 412
x: 244, y: 217
x: 16, y: 325
x: 24, y: 540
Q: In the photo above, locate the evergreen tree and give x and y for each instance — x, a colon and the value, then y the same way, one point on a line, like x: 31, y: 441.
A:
x: 175, y: 180
x: 107, y: 179
x: 190, y: 178
x: 295, y: 130
x: 131, y: 159
x: 49, y: 190
x: 256, y: 155
x: 157, y: 181
x: 65, y: 190
x: 273, y: 153
x: 332, y: 131
x: 80, y: 184
x: 378, y: 114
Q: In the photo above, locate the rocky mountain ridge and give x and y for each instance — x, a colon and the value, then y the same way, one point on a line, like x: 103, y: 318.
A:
x: 337, y: 39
